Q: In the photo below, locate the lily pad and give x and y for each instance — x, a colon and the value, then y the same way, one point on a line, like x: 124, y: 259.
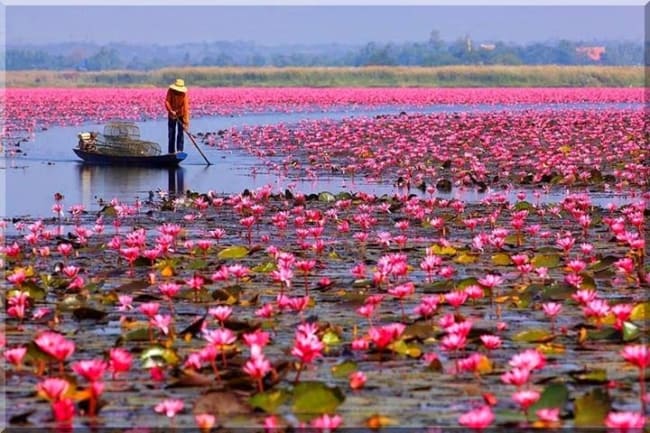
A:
x: 534, y: 336
x: 554, y: 395
x: 312, y: 398
x: 269, y: 401
x: 233, y: 252
x: 343, y: 369
x: 546, y: 261
x: 592, y: 408
x: 501, y: 259
x: 155, y: 354
x: 640, y: 312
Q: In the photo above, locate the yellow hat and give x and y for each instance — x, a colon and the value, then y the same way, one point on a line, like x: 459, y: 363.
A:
x: 179, y: 86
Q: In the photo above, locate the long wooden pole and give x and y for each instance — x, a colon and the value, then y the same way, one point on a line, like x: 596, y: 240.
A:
x: 197, y: 147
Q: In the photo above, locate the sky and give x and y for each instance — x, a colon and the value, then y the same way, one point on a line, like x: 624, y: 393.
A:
x: 314, y: 23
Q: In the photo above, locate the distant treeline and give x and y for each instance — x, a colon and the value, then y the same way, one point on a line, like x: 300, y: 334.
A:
x: 370, y: 76
x: 434, y: 52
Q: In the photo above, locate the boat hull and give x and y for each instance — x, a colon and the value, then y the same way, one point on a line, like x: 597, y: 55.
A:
x: 166, y: 160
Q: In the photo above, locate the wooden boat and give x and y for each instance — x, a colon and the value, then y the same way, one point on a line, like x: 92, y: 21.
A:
x: 120, y: 144
x: 164, y: 160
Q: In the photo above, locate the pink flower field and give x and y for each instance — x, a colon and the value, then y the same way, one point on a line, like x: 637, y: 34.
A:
x: 275, y: 310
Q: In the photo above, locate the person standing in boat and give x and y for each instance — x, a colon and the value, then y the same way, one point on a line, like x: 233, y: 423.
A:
x: 178, y: 115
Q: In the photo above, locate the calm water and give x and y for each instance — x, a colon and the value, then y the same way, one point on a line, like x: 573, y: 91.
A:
x: 48, y: 165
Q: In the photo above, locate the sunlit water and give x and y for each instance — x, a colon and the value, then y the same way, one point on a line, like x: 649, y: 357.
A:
x: 47, y: 164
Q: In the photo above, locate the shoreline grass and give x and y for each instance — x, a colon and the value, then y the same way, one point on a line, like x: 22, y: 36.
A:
x: 371, y: 76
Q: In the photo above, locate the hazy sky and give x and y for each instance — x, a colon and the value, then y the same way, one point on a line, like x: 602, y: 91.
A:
x: 313, y: 23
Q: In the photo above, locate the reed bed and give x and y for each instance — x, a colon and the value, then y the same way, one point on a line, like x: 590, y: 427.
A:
x: 371, y: 76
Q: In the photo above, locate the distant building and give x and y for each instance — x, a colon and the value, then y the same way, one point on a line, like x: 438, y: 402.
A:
x: 593, y: 53
x: 487, y: 47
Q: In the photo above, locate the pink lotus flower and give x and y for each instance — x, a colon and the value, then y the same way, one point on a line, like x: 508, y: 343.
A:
x: 169, y: 407
x: 327, y: 423
x: 516, y: 376
x: 55, y: 345
x: 477, y: 419
x: 625, y: 422
x: 525, y: 398
x: 53, y: 388
x: 637, y: 355
x: 357, y: 379
x: 91, y: 369
x: 15, y: 356
x: 119, y: 360
x: 529, y: 359
x: 204, y: 421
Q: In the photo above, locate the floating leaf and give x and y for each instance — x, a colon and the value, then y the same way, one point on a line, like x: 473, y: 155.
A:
x: 534, y: 336
x: 343, y: 369
x: 35, y: 292
x: 466, y: 258
x: 524, y: 205
x: 87, y: 313
x: 233, y: 252
x: 269, y: 401
x: 312, y: 398
x: 592, y: 408
x: 546, y: 260
x: 221, y: 403
x: 264, y: 268
x: 133, y: 286
x: 641, y: 312
x: 331, y: 338
x: 326, y: 197
x: 401, y: 347
x: 551, y: 348
x: 197, y: 264
x: 443, y: 250
x: 501, y: 259
x: 155, y: 354
x: 602, y: 264
x: 630, y: 331
x: 466, y: 282
x: 138, y: 334
x: 596, y: 376
x: 554, y: 395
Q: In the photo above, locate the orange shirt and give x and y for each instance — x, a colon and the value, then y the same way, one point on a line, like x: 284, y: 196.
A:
x: 178, y: 102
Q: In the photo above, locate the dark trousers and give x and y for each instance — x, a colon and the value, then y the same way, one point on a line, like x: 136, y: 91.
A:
x: 175, y: 135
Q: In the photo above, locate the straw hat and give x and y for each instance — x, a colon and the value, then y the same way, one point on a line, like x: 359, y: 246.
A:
x: 179, y: 86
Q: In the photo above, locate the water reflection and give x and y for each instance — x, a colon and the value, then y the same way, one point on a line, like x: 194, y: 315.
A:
x: 175, y: 181
x: 103, y: 183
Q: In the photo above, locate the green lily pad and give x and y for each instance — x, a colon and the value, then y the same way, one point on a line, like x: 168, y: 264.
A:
x: 501, y: 259
x: 595, y: 376
x: 343, y: 369
x: 534, y: 336
x: 592, y: 408
x: 326, y: 197
x: 264, y: 268
x: 155, y: 354
x: 313, y: 398
x: 630, y: 331
x: 554, y: 395
x: 546, y: 261
x: 197, y: 264
x: 269, y: 401
x: 641, y: 312
x: 233, y: 252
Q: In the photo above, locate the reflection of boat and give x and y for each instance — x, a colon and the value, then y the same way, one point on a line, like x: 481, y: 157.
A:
x: 126, y: 183
x: 166, y: 160
x: 120, y: 144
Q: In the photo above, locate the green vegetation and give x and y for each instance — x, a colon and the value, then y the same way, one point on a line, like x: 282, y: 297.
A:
x: 372, y: 76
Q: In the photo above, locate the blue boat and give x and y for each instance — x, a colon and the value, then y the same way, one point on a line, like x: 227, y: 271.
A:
x: 120, y: 144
